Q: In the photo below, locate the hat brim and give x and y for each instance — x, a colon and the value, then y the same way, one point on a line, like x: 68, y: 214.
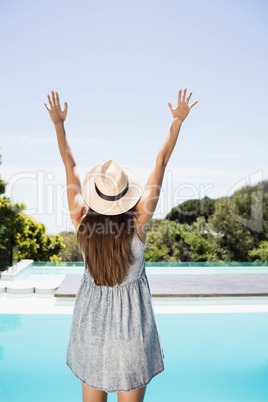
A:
x: 98, y: 204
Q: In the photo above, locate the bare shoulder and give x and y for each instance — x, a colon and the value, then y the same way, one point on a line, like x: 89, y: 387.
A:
x: 77, y: 222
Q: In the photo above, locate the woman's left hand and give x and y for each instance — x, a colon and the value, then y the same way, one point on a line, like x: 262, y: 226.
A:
x: 57, y: 115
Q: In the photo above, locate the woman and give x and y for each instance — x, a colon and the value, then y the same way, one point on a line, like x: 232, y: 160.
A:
x: 114, y: 344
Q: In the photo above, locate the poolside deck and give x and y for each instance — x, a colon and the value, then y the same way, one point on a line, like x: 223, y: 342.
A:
x: 191, y: 285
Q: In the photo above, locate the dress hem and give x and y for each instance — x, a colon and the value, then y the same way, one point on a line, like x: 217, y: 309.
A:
x: 109, y: 391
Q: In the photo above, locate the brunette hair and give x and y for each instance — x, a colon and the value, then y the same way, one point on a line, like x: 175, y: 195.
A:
x: 105, y: 242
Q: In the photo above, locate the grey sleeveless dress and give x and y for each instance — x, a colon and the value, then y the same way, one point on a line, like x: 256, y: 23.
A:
x: 114, y: 344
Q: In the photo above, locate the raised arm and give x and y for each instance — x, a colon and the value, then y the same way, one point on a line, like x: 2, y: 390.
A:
x: 147, y: 203
x: 77, y: 206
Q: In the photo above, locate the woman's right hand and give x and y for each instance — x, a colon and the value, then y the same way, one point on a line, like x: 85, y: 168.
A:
x: 182, y: 109
x: 57, y: 115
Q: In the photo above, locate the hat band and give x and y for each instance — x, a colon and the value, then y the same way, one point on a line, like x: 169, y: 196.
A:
x: 111, y: 197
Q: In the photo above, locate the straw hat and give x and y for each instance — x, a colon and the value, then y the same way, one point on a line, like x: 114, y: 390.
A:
x: 111, y: 189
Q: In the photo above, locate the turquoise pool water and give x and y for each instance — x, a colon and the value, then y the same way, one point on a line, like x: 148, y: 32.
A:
x: 208, y: 357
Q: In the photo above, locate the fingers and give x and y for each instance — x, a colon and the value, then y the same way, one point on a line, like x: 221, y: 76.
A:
x: 193, y: 104
x: 47, y: 107
x: 187, y: 100
x: 53, y: 98
x: 57, y: 99
x: 65, y: 107
x: 184, y: 93
x: 49, y: 100
x: 179, y: 97
x: 170, y: 106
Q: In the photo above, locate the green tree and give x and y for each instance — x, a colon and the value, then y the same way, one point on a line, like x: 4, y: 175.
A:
x: 165, y: 242
x: 159, y: 243
x: 11, y: 224
x: 24, y: 232
x: 260, y: 253
x: 242, y: 221
x: 35, y: 244
x: 188, y: 211
x: 203, y: 243
x: 18, y: 229
x: 71, y: 251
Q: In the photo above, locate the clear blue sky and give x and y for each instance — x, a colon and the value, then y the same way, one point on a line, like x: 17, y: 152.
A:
x: 117, y: 64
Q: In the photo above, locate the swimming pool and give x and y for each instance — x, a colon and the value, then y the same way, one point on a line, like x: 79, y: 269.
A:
x: 216, y: 349
x: 208, y: 357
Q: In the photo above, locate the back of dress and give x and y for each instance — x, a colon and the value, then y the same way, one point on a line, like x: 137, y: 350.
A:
x: 114, y: 344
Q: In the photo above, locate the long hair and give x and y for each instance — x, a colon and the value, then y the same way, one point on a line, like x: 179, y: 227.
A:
x: 105, y: 242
